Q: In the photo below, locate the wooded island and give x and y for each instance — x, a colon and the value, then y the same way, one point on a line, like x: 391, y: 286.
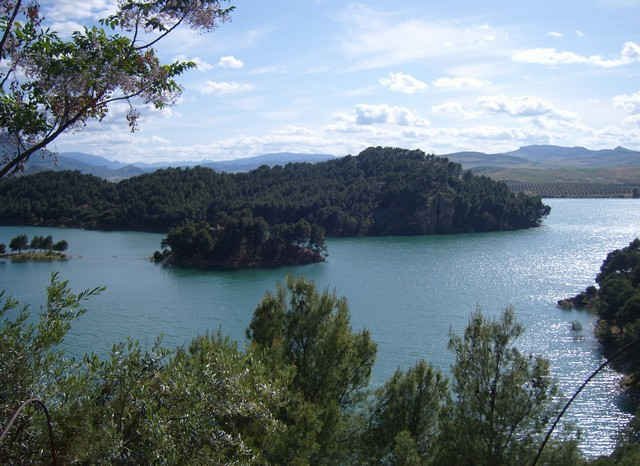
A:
x: 40, y: 248
x: 279, y: 215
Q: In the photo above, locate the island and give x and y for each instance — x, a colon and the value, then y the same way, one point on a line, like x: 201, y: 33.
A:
x: 275, y: 215
x: 245, y: 243
x: 39, y: 249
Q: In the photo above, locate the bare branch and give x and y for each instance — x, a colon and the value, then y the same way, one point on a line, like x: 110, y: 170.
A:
x: 164, y: 34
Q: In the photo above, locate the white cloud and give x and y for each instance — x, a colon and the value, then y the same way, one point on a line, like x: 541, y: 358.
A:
x: 378, y: 39
x: 225, y: 87
x: 230, y: 61
x: 366, y: 114
x: 201, y: 64
x: 630, y: 103
x: 527, y: 106
x: 579, y: 33
x: 630, y: 53
x: 460, y: 82
x: 555, y: 35
x: 454, y: 108
x: 70, y: 10
x: 404, y: 83
x: 66, y: 28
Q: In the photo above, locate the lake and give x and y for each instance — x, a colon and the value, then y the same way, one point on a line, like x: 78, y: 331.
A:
x: 409, y: 291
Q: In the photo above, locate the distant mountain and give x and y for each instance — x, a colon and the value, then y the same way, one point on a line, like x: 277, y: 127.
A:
x: 280, y: 158
x: 114, y: 171
x: 528, y: 164
x: 84, y: 163
x: 94, y: 160
x: 547, y: 156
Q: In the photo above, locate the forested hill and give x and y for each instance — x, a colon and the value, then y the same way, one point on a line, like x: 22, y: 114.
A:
x: 382, y: 191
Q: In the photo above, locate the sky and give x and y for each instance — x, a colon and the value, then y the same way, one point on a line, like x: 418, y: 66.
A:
x: 325, y: 76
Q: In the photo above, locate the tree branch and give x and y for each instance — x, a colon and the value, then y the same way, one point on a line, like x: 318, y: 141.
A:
x: 7, y: 31
x: 164, y: 34
x: 12, y: 165
x: 42, y: 406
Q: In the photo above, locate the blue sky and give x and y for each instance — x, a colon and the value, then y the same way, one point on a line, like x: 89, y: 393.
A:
x: 336, y: 77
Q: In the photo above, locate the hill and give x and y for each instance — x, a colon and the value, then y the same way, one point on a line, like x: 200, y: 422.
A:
x: 548, y: 156
x: 382, y: 191
x: 84, y: 163
x: 554, y: 171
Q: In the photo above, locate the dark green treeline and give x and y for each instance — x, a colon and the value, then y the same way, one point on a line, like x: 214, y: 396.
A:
x: 382, y: 191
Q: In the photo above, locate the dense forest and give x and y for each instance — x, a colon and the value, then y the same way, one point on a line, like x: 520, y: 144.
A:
x: 242, y: 243
x: 382, y: 191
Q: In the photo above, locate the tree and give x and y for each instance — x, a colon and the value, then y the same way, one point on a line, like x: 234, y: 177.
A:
x: 3, y: 248
x: 50, y: 84
x: 308, y: 332
x: 503, y: 399
x: 405, y: 419
x: 61, y: 246
x: 36, y: 242
x: 19, y: 243
x: 32, y: 365
x: 206, y: 403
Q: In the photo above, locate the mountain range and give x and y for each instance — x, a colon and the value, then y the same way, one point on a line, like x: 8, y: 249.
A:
x: 534, y: 163
x: 114, y: 171
x: 547, y: 156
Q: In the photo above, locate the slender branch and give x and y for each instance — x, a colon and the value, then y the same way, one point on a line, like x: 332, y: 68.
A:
x: 7, y: 31
x: 6, y: 77
x: 161, y: 36
x: 618, y: 353
x: 135, y: 34
x: 12, y: 165
x: 42, y: 406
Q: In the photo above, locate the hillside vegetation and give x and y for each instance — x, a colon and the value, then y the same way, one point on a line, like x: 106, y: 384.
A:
x: 383, y: 191
x: 279, y: 215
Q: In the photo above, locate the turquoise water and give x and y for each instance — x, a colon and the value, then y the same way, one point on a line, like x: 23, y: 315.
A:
x: 409, y: 291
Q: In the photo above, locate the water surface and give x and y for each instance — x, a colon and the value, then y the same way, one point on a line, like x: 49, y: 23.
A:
x: 409, y: 291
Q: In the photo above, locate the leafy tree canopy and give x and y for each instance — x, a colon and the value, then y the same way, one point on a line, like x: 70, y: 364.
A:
x: 49, y: 84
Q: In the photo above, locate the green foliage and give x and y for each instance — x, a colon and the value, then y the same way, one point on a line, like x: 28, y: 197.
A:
x: 61, y: 246
x: 19, y: 243
x: 382, y: 191
x: 208, y: 403
x: 617, y: 303
x: 106, y: 63
x: 406, y: 416
x: 301, y: 330
x: 3, y: 248
x: 242, y: 243
x: 33, y: 365
x: 297, y: 394
x: 503, y: 399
